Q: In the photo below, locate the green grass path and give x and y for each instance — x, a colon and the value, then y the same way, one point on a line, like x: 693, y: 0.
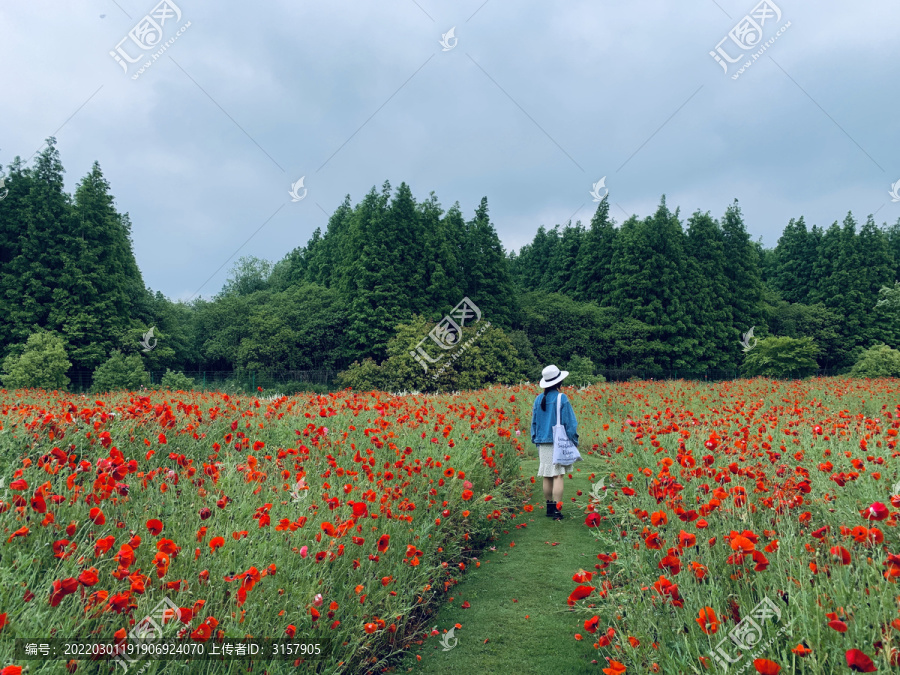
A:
x: 532, y: 579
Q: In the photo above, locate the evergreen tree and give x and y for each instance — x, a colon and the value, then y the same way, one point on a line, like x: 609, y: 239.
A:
x: 441, y: 261
x: 15, y: 326
x: 595, y: 257
x: 488, y: 283
x: 563, y: 268
x: 710, y: 302
x: 42, y: 224
x: 408, y: 253
x: 651, y: 285
x: 794, y: 268
x: 876, y: 270
x: 371, y: 284
x: 828, y: 252
x: 893, y: 239
x: 744, y: 272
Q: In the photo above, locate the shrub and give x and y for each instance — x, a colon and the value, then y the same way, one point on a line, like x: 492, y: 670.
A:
x: 41, y: 363
x: 176, y: 381
x: 782, y: 357
x: 365, y: 376
x: 877, y: 361
x: 120, y: 372
x: 581, y: 372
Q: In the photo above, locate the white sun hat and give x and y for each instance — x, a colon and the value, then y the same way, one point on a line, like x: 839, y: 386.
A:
x: 552, y: 375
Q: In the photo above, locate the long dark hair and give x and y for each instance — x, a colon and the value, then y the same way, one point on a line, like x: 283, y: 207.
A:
x: 546, y: 389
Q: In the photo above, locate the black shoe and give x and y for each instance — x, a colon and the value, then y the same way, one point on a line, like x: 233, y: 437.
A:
x: 557, y: 513
x: 551, y: 509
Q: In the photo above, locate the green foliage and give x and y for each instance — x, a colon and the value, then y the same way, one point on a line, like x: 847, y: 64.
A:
x: 797, y: 320
x: 365, y: 376
x: 301, y: 328
x: 532, y: 367
x: 877, y: 361
x: 66, y: 263
x: 484, y: 355
x: 890, y: 299
x: 581, y: 372
x: 248, y: 275
x: 782, y: 357
x: 41, y: 363
x: 120, y: 372
x: 559, y: 327
x: 176, y: 381
x: 648, y: 295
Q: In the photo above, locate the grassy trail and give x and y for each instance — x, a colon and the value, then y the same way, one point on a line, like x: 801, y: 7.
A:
x: 518, y: 621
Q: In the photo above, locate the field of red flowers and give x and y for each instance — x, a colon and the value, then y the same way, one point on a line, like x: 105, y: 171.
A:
x: 741, y: 527
x: 339, y: 518
x: 744, y: 527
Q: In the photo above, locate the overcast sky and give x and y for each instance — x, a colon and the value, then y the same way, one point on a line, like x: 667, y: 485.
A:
x: 528, y: 103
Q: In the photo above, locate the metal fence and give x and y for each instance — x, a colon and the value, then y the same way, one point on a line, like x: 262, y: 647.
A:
x: 294, y: 381
x: 623, y: 374
x: 285, y: 381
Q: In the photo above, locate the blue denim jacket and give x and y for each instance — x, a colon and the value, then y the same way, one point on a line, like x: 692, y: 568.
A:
x: 543, y: 421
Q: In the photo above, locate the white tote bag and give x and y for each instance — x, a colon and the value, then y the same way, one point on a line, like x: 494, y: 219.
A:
x: 565, y: 452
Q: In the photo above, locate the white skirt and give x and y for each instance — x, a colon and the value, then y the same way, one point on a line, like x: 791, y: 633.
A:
x: 547, y: 468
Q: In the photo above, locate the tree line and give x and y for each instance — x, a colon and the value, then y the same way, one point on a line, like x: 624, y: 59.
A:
x: 653, y: 294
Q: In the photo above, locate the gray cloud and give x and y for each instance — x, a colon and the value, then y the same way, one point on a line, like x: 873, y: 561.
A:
x: 536, y: 102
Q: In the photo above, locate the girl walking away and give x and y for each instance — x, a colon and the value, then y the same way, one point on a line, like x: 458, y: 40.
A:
x: 543, y: 419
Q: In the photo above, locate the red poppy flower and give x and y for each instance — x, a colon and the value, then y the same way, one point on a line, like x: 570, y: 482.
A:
x: 155, y: 526
x: 467, y: 494
x: 383, y: 542
x: 708, y: 621
x: 38, y: 503
x: 590, y: 625
x: 842, y: 554
x: 766, y: 667
x: 61, y: 589
x: 876, y: 511
x: 580, y: 593
x: 96, y: 516
x: 216, y: 542
x: 859, y: 662
x: 202, y: 633
x: 686, y: 540
x: 88, y: 577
